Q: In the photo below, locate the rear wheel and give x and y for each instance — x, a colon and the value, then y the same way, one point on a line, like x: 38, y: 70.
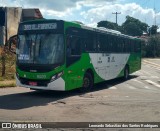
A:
x: 126, y: 73
x: 87, y: 83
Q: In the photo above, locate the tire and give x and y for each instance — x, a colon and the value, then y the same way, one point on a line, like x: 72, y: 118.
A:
x: 87, y: 83
x: 126, y: 73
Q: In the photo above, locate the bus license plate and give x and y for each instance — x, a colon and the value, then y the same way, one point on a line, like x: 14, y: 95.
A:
x: 33, y: 83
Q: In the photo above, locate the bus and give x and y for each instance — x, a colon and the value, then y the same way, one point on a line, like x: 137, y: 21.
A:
x: 61, y: 55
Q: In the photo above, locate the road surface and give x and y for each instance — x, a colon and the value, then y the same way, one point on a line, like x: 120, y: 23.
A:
x: 134, y: 100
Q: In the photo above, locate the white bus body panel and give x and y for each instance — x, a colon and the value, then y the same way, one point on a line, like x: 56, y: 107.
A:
x: 107, y: 65
x: 58, y: 85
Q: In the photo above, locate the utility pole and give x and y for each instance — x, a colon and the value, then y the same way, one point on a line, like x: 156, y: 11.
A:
x: 154, y: 53
x: 116, y: 13
x: 155, y: 22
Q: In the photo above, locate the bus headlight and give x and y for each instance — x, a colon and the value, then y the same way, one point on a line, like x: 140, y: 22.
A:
x: 56, y: 76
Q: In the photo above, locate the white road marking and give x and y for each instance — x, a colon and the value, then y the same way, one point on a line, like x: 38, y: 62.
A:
x: 141, y: 73
x: 155, y: 77
x: 138, y: 81
x: 143, y: 76
x: 151, y: 63
x: 147, y: 87
x: 144, y: 86
x: 113, y: 87
x: 138, y: 73
x: 131, y: 87
x: 144, y: 72
x: 153, y: 66
x: 153, y: 83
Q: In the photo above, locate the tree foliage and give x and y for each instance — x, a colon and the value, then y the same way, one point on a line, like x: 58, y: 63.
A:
x: 131, y: 26
x: 153, y: 30
x: 152, y: 47
x: 108, y: 24
x: 134, y: 27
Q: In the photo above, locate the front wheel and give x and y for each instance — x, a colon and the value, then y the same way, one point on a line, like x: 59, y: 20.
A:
x: 87, y: 83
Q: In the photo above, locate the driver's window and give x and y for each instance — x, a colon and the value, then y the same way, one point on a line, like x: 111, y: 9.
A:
x: 74, y: 45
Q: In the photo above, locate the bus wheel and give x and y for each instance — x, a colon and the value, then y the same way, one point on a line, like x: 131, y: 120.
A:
x: 87, y: 83
x: 126, y: 73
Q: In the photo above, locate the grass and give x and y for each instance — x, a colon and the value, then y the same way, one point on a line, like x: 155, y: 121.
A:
x: 8, y: 80
x: 7, y: 83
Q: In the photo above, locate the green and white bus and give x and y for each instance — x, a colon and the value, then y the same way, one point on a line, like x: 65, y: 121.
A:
x: 61, y: 55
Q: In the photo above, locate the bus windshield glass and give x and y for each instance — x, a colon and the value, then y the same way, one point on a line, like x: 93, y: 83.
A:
x: 41, y: 48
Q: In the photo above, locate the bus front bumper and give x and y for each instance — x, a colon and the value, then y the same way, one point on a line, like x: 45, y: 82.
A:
x: 57, y: 85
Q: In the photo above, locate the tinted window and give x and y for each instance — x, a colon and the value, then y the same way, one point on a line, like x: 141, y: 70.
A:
x: 91, y: 42
x: 2, y: 17
x: 137, y: 46
x: 75, y: 45
x: 102, y: 42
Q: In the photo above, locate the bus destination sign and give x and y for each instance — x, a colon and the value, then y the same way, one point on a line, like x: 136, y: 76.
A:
x: 43, y: 26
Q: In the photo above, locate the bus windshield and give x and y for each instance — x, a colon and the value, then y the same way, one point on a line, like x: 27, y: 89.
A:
x: 40, y: 48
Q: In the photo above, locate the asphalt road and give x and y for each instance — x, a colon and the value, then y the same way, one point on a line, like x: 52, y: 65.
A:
x: 134, y: 100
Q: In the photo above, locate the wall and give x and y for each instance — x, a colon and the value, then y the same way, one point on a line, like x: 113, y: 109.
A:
x: 13, y: 18
x: 10, y: 17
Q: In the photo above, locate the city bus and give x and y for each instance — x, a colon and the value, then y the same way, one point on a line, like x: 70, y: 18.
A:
x: 61, y: 55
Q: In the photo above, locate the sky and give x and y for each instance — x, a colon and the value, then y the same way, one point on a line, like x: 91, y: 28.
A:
x: 90, y: 12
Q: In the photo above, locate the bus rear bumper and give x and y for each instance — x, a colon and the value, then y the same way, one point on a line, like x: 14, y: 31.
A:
x: 57, y: 85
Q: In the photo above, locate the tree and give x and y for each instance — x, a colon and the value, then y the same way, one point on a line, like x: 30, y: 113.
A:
x: 153, y: 30
x: 133, y: 27
x: 151, y: 48
x: 108, y: 24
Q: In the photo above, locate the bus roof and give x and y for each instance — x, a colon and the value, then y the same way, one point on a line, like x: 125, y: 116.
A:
x: 98, y: 29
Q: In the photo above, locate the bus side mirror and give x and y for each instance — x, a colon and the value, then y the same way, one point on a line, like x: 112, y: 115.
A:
x: 13, y: 44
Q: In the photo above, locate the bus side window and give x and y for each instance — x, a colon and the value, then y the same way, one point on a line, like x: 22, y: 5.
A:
x: 128, y: 43
x: 68, y: 50
x: 75, y: 45
x: 121, y: 45
x: 124, y: 46
x: 132, y: 46
x: 137, y: 46
x: 111, y: 40
x: 109, y: 43
x: 102, y: 42
x: 91, y: 43
x: 117, y: 44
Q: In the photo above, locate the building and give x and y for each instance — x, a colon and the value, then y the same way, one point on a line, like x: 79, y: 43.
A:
x: 10, y: 17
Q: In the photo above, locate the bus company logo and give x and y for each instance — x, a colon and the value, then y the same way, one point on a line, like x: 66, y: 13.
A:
x: 6, y: 125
